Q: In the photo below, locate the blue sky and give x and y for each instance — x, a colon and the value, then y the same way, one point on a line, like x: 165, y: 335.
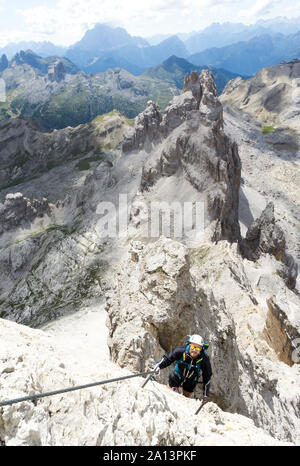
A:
x: 65, y: 21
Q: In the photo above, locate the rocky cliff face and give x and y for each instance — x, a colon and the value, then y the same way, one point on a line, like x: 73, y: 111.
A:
x: 264, y: 236
x: 189, y: 142
x: 155, y: 289
x: 56, y: 71
x: 18, y: 211
x: 164, y: 291
x: 272, y: 96
x: 146, y: 129
x: 39, y: 241
x: 117, y: 414
x: 26, y: 152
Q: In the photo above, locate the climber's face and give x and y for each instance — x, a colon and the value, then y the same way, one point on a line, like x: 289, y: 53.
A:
x: 194, y: 349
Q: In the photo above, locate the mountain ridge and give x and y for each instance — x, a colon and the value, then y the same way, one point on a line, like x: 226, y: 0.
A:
x: 104, y: 46
x: 247, y: 57
x: 54, y: 92
x: 175, y: 68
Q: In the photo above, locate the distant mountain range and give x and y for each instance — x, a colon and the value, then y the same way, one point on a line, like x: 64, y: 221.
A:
x: 109, y: 69
x: 99, y: 41
x: 56, y: 94
x: 133, y: 54
x: 221, y: 35
x: 174, y: 69
x: 233, y: 46
x: 43, y: 49
x: 41, y: 64
x: 248, y: 57
x: 61, y: 95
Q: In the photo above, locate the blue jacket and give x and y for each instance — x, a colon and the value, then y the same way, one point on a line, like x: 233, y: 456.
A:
x: 188, y: 368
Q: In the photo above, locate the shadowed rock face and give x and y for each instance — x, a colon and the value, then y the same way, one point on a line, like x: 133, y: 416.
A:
x: 189, y: 139
x: 3, y: 62
x: 56, y: 72
x: 205, y: 92
x: 191, y: 83
x: 264, y: 236
x: 26, y: 152
x: 146, y: 129
x: 18, y: 211
x: 282, y: 327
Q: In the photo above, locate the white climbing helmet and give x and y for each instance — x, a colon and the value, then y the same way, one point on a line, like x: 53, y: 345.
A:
x: 196, y: 339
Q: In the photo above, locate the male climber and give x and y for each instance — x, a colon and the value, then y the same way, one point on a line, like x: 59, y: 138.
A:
x: 190, y: 359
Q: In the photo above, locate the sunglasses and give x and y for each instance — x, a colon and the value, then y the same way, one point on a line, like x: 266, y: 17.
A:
x: 197, y: 348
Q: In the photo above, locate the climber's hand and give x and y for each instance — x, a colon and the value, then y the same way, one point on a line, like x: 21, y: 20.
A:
x: 154, y: 367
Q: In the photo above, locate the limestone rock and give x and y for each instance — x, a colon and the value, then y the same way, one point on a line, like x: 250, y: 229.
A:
x: 159, y: 294
x: 19, y: 212
x: 271, y: 96
x: 283, y: 326
x: 191, y: 143
x: 192, y: 83
x: 146, y: 129
x: 210, y: 105
x: 164, y: 291
x: 55, y: 271
x: 205, y: 93
x: 120, y: 413
x: 27, y: 152
x: 177, y: 111
x: 265, y: 236
x: 56, y: 72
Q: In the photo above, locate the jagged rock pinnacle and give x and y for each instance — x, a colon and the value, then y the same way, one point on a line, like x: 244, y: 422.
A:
x: 18, y: 211
x: 192, y: 83
x: 56, y: 71
x: 3, y: 62
x: 190, y: 136
x: 146, y: 129
x: 264, y: 236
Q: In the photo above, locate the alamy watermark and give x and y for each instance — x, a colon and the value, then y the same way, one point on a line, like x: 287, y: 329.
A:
x: 174, y: 220
x: 2, y: 90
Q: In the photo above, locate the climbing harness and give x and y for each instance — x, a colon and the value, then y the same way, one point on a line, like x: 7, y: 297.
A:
x: 70, y: 389
x: 188, y: 366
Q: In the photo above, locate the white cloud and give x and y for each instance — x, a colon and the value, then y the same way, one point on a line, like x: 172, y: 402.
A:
x: 66, y: 21
x: 262, y: 7
x: 69, y: 19
x: 13, y: 35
